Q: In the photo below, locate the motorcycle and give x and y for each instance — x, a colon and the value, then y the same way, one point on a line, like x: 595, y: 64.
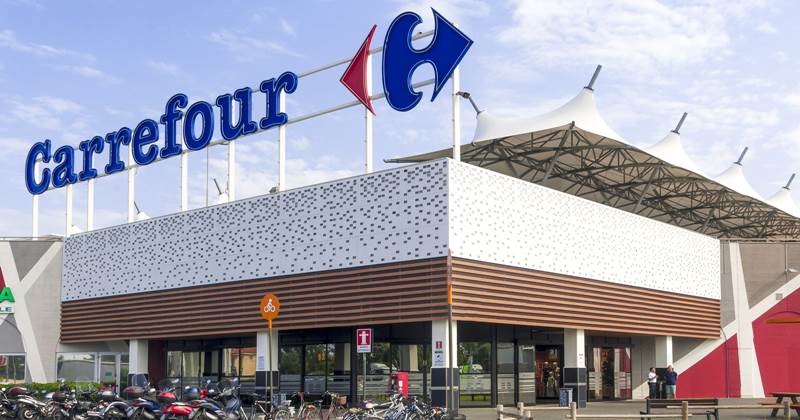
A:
x: 148, y: 407
x: 222, y: 402
x: 185, y: 409
x: 25, y: 406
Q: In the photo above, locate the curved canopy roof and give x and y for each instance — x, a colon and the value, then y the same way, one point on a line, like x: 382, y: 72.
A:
x: 572, y: 149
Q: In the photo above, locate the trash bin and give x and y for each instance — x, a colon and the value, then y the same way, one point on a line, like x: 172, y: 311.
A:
x: 564, y: 397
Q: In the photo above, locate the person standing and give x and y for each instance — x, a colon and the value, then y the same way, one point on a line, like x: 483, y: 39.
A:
x: 652, y: 382
x: 671, y: 381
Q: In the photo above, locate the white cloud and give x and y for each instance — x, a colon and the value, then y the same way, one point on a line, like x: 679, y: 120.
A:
x: 47, y: 112
x: 456, y: 11
x: 287, y: 27
x: 244, y: 47
x: 90, y: 73
x: 638, y: 35
x: 766, y: 27
x: 163, y: 67
x: 9, y: 40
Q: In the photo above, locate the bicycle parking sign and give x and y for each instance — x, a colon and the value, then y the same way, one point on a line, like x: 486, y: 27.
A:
x: 270, y: 307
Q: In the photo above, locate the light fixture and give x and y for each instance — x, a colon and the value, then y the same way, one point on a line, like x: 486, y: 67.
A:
x: 468, y: 96
x: 222, y: 196
x: 140, y: 215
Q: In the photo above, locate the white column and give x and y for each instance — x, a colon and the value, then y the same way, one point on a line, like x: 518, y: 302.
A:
x: 368, y: 120
x: 444, y: 345
x: 664, y: 351
x: 574, y: 348
x: 282, y: 144
x: 749, y: 370
x: 68, y: 230
x: 90, y: 204
x: 456, y: 114
x: 231, y: 171
x: 184, y: 180
x: 131, y: 187
x: 137, y: 354
x: 439, y: 342
x: 35, y: 207
x: 266, y: 351
x: 35, y: 216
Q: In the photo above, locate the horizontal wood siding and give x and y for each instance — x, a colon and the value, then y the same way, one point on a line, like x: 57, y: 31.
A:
x: 399, y: 292
x: 501, y: 294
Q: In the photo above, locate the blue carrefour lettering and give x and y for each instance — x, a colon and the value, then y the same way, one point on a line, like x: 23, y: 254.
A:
x: 400, y: 58
x: 272, y: 87
x: 40, y: 150
x: 206, y: 112
x: 64, y: 172
x: 245, y: 125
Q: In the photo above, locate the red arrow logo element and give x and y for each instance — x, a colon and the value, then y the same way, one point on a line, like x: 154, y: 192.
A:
x: 355, y: 77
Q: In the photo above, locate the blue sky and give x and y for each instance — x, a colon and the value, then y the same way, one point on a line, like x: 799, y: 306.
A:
x: 73, y: 70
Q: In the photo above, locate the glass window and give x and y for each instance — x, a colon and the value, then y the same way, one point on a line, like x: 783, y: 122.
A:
x: 76, y: 366
x: 123, y: 370
x: 475, y: 364
x: 505, y: 373
x: 108, y: 370
x: 12, y: 369
x: 315, y: 359
x: 248, y: 361
x: 230, y: 362
x: 174, y: 364
x: 290, y: 360
x: 191, y: 364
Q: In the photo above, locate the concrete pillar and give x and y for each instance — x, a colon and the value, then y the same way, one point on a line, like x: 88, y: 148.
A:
x: 575, y: 365
x: 663, y: 351
x: 749, y: 370
x: 137, y: 358
x: 444, y: 368
x: 341, y: 358
x: 266, y: 349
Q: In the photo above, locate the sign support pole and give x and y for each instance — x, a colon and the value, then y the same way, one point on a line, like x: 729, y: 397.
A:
x: 69, y: 210
x: 282, y: 144
x: 90, y: 205
x: 269, y: 370
x: 456, y: 114
x: 364, y: 381
x: 368, y: 119
x: 131, y: 188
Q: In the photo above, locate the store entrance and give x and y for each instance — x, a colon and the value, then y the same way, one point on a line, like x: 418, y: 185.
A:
x: 609, y: 373
x: 548, y: 371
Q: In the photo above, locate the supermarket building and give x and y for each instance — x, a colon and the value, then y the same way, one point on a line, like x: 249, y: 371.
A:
x: 549, y: 252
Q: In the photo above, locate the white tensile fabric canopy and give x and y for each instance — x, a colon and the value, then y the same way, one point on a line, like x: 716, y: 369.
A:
x: 572, y: 149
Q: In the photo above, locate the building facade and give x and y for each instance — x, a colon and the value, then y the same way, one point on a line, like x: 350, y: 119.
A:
x: 508, y: 289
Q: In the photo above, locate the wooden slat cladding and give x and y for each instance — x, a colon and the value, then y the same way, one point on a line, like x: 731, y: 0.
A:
x: 397, y: 292
x: 486, y: 292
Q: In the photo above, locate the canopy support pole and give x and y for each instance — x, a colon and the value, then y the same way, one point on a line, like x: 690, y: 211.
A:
x: 677, y: 129
x: 590, y: 86
x: 456, y: 78
x: 560, y: 147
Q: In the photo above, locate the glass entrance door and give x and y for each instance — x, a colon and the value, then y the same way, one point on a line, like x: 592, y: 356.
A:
x: 526, y: 368
x: 113, y: 371
x: 548, y: 371
x: 610, y: 373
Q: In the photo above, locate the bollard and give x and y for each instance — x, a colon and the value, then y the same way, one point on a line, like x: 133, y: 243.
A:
x: 787, y: 411
x: 500, y: 412
x: 573, y: 410
x: 685, y: 410
x: 521, y: 409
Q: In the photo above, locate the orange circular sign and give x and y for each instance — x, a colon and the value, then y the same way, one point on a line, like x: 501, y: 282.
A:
x: 270, y: 307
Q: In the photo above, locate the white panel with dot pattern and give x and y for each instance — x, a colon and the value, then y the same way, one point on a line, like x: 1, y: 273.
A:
x: 389, y: 216
x: 396, y: 215
x: 500, y: 219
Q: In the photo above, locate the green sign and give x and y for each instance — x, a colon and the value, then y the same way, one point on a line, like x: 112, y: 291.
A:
x: 6, y: 295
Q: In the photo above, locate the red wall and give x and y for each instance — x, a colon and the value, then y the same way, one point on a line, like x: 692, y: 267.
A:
x: 778, y: 347
x: 707, y: 378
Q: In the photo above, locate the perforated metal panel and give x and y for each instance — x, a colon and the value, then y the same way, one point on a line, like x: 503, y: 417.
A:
x: 409, y: 213
x: 500, y: 219
x: 388, y: 216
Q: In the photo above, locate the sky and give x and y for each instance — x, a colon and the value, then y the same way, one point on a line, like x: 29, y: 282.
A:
x: 73, y: 70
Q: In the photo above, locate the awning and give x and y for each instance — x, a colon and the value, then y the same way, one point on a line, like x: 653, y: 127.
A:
x: 572, y: 149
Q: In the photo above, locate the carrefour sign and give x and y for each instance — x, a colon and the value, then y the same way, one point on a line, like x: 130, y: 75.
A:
x: 151, y: 138
x: 6, y: 297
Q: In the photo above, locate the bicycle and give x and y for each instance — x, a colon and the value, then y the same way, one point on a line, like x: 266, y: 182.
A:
x: 330, y: 407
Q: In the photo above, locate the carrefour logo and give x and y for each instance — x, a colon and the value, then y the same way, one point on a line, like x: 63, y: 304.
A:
x: 400, y: 61
x: 6, y: 297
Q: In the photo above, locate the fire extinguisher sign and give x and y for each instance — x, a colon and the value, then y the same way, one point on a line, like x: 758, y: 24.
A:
x: 364, y: 340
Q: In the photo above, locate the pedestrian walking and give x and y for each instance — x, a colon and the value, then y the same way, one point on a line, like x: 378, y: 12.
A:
x: 671, y: 381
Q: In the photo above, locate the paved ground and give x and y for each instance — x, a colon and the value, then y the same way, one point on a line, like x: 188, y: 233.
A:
x: 631, y: 407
